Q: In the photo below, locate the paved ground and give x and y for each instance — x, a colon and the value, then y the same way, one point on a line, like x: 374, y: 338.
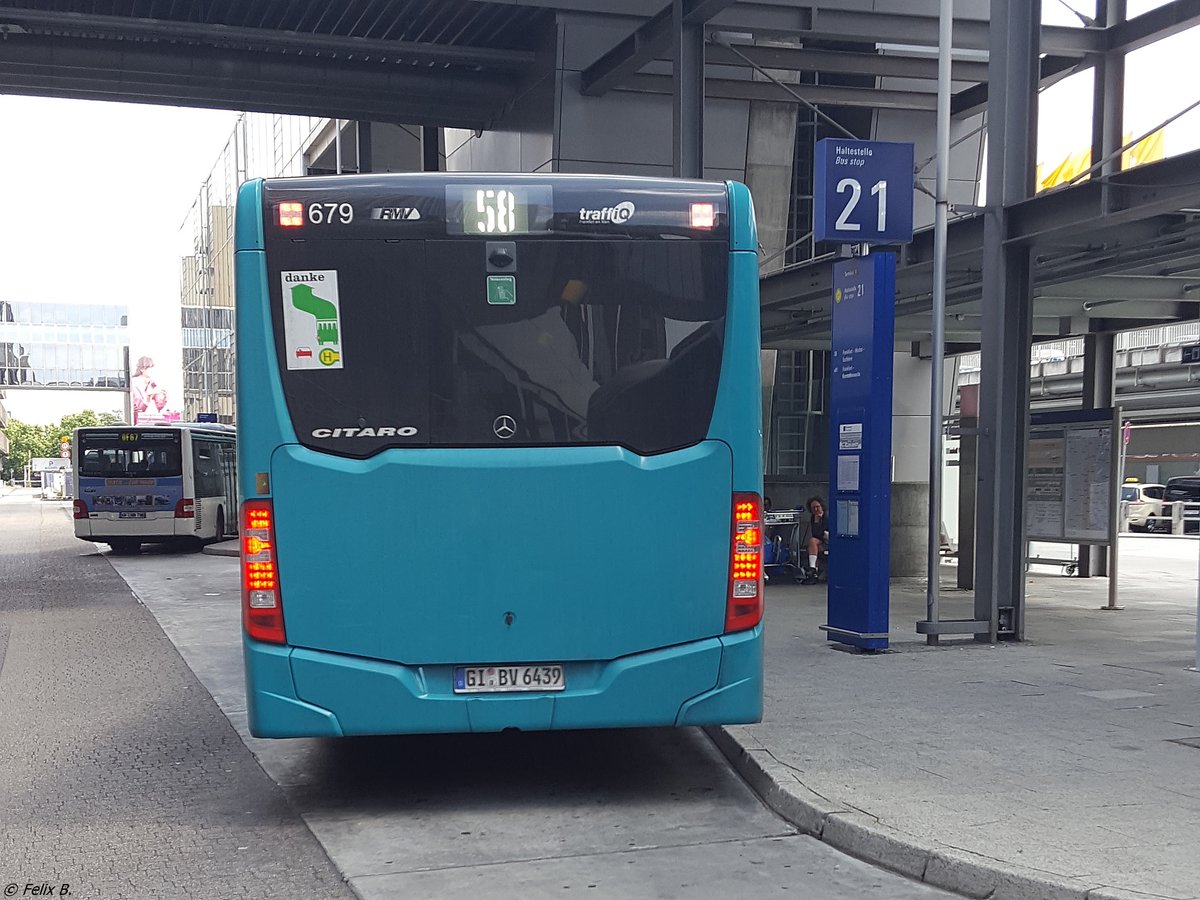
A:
x: 118, y: 774
x: 1072, y: 758
x: 609, y: 814
x: 1066, y: 764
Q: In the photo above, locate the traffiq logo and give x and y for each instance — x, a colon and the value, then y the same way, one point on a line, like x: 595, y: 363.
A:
x: 617, y: 215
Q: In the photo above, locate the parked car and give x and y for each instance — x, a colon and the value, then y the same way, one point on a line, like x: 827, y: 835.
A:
x: 1144, y: 507
x: 1184, y: 489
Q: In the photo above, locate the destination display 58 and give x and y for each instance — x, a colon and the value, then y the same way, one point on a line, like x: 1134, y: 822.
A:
x: 428, y: 206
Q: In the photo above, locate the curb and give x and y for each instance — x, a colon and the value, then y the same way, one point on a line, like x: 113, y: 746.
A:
x: 224, y: 548
x: 860, y: 835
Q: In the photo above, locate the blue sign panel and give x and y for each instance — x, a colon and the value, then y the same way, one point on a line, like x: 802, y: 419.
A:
x: 863, y: 192
x: 860, y: 469
x: 206, y: 417
x: 1191, y: 355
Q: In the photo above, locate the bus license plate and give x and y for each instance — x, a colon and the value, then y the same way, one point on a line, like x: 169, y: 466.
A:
x: 496, y: 679
x: 131, y: 515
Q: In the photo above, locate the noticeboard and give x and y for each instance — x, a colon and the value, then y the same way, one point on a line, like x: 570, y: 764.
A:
x: 1070, y: 477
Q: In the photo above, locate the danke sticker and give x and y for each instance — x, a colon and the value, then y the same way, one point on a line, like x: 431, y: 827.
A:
x: 312, y: 322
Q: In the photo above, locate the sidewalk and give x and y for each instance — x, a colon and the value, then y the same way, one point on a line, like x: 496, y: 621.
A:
x: 119, y: 775
x: 1064, y: 766
x: 231, y: 547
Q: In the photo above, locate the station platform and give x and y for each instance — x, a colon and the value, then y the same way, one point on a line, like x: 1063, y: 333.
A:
x: 1067, y: 765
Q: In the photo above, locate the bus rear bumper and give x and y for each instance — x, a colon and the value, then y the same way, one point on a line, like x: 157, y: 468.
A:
x: 293, y: 692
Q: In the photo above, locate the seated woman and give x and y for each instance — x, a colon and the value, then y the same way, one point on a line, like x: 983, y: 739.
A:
x: 818, y: 536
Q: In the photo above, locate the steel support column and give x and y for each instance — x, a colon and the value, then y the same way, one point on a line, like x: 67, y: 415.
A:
x: 431, y: 157
x: 1099, y: 392
x: 1006, y: 332
x: 1108, y: 98
x: 1108, y: 95
x: 688, y: 95
x: 362, y: 147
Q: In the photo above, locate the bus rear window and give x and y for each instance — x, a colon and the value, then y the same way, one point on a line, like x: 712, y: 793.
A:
x: 578, y: 342
x: 129, y: 454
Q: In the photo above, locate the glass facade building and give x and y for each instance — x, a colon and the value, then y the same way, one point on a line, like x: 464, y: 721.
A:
x: 73, y: 346
x: 261, y: 145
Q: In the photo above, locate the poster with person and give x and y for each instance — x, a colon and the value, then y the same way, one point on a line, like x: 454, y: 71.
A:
x: 149, y: 397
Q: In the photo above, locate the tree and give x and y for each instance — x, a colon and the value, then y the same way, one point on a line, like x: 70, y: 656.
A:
x: 87, y: 418
x: 27, y: 441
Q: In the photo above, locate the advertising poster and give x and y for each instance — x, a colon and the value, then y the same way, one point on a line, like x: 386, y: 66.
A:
x: 155, y: 395
x: 131, y: 495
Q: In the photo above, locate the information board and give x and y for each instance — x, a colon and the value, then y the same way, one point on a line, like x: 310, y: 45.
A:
x: 1070, y: 479
x: 864, y: 300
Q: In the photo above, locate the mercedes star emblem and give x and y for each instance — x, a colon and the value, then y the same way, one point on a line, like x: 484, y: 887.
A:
x: 505, y: 427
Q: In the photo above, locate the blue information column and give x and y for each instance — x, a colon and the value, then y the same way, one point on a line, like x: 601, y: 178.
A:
x: 860, y: 467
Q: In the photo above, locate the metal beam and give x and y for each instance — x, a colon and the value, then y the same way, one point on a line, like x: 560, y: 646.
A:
x: 648, y: 42
x: 973, y: 100
x: 729, y: 89
x: 1168, y: 19
x: 1152, y: 246
x: 264, y: 39
x: 867, y: 27
x: 631, y: 8
x: 147, y: 72
x: 1166, y: 186
x: 1126, y: 287
x: 881, y: 65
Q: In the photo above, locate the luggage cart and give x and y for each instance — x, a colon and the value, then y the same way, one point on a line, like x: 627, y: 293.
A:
x: 1070, y: 564
x: 781, y: 538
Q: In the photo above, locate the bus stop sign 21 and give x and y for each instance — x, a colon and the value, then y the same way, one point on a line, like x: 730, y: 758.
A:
x: 863, y: 192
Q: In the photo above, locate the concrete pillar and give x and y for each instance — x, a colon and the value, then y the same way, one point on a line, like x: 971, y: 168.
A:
x: 770, y: 158
x: 910, y: 527
x: 770, y: 151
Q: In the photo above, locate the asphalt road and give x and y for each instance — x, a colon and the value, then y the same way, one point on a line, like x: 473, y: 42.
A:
x: 606, y: 814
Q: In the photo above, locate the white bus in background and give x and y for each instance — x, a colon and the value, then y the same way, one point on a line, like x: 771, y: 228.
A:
x: 139, y: 485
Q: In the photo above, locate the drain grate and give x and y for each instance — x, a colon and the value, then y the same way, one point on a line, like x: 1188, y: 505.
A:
x: 1193, y: 742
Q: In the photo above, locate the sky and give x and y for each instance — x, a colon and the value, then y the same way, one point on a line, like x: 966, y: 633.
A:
x: 94, y: 194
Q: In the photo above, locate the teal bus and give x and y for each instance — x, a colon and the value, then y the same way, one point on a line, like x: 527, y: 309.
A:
x: 500, y: 453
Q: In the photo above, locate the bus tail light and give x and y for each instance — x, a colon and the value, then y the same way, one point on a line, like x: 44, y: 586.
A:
x: 262, y: 608
x: 744, y: 607
x: 185, y: 509
x: 81, y: 510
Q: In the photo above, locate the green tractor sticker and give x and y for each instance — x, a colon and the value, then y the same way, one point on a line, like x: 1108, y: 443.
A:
x: 312, y: 324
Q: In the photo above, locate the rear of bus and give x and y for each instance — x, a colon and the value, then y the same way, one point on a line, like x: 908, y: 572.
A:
x: 500, y: 440
x: 129, y: 486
